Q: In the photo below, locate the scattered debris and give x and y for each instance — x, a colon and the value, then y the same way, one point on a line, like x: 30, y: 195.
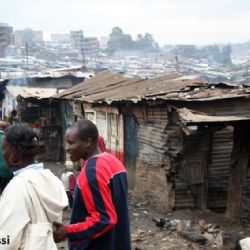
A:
x: 194, y: 237
x: 202, y: 233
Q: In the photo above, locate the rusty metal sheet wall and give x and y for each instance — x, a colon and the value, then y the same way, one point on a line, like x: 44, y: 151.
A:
x: 108, y: 87
x: 154, y: 114
x: 183, y: 196
x: 151, y: 134
x: 218, y: 172
x: 238, y: 108
x: 245, y: 218
x: 189, y: 173
x: 151, y: 141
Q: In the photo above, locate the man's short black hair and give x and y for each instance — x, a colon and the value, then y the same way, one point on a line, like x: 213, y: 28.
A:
x: 23, y: 139
x: 86, y: 129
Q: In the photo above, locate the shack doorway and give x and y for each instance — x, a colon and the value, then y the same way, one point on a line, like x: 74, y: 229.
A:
x: 131, y: 148
x: 219, y: 169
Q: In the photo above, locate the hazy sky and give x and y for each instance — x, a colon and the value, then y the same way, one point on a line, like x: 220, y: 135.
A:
x: 170, y: 21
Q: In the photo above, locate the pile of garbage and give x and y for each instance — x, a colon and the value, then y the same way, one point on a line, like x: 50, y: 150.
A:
x: 206, y: 234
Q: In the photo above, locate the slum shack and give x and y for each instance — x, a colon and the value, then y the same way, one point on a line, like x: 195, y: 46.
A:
x: 34, y: 106
x: 184, y: 142
x: 28, y: 99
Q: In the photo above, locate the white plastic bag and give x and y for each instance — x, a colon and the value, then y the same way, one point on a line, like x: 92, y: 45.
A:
x: 245, y: 243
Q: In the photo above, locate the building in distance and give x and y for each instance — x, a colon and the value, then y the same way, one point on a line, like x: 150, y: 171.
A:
x: 6, y: 37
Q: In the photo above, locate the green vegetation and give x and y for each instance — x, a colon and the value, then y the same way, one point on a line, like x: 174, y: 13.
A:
x: 120, y: 41
x: 210, y: 52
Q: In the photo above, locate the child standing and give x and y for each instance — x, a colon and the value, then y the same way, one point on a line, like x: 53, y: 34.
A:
x: 69, y: 180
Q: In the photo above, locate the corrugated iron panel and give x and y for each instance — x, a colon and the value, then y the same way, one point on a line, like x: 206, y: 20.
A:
x: 245, y: 218
x: 183, y: 197
x: 152, y: 136
x: 151, y: 140
x: 188, y: 116
x: 237, y: 108
x: 28, y: 92
x: 156, y: 113
x: 218, y: 172
x: 174, y: 140
x: 108, y: 87
x: 131, y: 148
x: 189, y: 174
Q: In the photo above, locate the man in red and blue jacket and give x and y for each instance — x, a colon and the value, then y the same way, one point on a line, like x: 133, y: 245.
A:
x: 99, y: 219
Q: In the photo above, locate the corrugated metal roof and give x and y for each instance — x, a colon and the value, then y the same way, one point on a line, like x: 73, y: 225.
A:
x: 188, y: 116
x: 108, y: 87
x: 27, y: 92
x: 53, y: 74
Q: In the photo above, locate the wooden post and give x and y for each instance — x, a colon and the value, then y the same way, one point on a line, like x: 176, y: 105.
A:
x: 239, y: 159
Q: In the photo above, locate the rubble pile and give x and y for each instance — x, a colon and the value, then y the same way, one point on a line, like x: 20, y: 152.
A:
x: 206, y: 234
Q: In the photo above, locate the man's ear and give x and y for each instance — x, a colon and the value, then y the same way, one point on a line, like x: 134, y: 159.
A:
x: 88, y: 142
x: 14, y: 159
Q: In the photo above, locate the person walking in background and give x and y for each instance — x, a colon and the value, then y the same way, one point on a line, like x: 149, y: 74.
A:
x: 100, y: 219
x: 101, y: 144
x: 5, y: 173
x: 68, y: 179
x: 33, y: 198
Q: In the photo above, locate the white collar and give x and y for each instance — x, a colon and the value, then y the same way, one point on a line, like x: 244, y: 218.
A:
x: 31, y: 166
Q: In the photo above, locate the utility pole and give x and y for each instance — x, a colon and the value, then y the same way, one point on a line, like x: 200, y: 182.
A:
x: 83, y: 57
x: 82, y: 51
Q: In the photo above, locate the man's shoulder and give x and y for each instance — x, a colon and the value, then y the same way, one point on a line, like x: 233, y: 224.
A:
x: 99, y: 157
x: 103, y: 159
x: 106, y: 155
x: 109, y: 161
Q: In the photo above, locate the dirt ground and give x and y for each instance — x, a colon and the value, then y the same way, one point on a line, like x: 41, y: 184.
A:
x: 146, y: 234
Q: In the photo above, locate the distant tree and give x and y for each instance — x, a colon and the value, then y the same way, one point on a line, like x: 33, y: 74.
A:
x: 146, y: 42
x: 118, y: 40
x: 117, y: 31
x: 127, y: 42
x: 211, y: 52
